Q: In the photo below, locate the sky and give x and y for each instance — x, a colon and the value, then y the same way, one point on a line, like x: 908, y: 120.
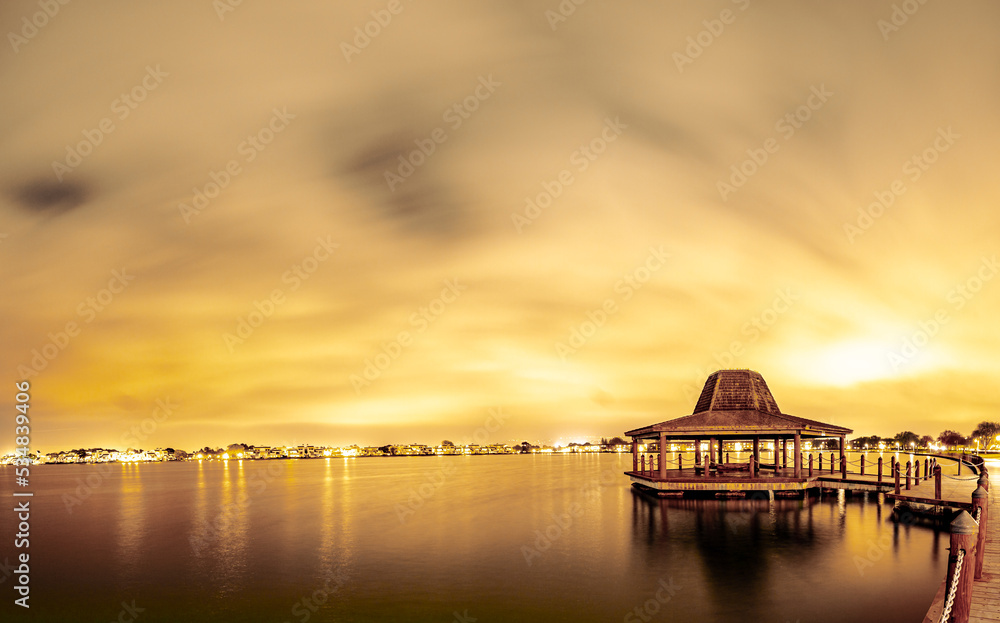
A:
x: 402, y: 222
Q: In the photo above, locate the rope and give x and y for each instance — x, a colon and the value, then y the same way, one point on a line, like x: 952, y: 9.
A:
x: 957, y: 478
x: 979, y: 513
x: 953, y: 590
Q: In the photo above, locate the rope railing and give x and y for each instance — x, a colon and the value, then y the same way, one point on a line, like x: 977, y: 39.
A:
x: 949, y: 603
x: 958, y: 478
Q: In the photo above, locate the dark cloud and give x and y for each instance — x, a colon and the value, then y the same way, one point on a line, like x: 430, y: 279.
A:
x: 51, y: 196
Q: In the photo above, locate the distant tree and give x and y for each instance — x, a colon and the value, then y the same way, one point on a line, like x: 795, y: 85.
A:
x: 926, y: 440
x: 525, y: 447
x: 906, y: 438
x: 447, y: 444
x: 951, y: 439
x: 617, y: 441
x: 987, y: 433
x: 861, y: 442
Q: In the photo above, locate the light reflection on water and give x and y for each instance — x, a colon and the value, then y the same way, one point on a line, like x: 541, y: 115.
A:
x: 131, y: 524
x: 506, y: 538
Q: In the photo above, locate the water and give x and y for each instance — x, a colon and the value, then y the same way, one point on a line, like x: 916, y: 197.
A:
x: 451, y: 538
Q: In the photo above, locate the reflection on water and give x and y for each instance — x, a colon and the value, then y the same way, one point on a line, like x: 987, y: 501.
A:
x: 504, y: 538
x: 131, y: 524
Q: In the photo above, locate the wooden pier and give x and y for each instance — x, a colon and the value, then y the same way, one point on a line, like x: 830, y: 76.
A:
x: 736, y: 407
x: 986, y: 592
x: 955, y: 494
x: 976, y: 588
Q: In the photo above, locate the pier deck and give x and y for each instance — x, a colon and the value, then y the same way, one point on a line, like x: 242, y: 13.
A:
x: 956, y: 490
x: 986, y: 592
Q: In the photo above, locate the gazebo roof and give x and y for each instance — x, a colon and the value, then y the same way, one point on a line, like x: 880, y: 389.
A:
x: 737, y: 403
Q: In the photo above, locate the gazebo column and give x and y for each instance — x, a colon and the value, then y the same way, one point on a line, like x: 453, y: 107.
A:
x: 635, y: 454
x: 722, y: 456
x: 711, y: 449
x: 663, y: 455
x: 798, y: 454
x: 784, y: 453
x: 697, y: 450
x: 843, y: 456
x: 777, y: 449
x: 756, y: 452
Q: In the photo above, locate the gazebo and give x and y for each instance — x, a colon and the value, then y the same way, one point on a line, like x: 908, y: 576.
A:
x: 734, y: 406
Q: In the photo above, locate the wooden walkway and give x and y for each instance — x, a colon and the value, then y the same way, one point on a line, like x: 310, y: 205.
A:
x: 956, y: 489
x: 986, y: 592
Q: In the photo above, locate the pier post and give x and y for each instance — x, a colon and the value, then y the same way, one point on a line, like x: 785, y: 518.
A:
x: 984, y: 481
x: 909, y: 475
x: 811, y: 465
x: 937, y: 482
x: 927, y: 469
x: 635, y: 455
x: 797, y: 447
x: 697, y: 451
x: 680, y: 462
x: 916, y: 474
x: 727, y: 457
x: 879, y: 470
x: 843, y: 457
x: 663, y: 456
x: 833, y: 463
x: 964, y: 534
x: 895, y: 469
x: 707, y: 463
x: 643, y: 464
x: 980, y: 506
x: 820, y: 461
x: 753, y: 467
x: 862, y: 464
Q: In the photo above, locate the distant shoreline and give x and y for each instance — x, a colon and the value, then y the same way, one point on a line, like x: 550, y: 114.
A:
x: 953, y: 455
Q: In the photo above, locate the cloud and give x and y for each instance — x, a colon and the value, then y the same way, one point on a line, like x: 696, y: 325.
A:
x: 50, y: 196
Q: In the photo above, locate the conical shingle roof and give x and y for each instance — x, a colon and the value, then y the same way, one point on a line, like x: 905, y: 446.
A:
x: 738, y: 403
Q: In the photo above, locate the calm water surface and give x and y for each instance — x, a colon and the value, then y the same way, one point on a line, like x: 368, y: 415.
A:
x: 490, y: 538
